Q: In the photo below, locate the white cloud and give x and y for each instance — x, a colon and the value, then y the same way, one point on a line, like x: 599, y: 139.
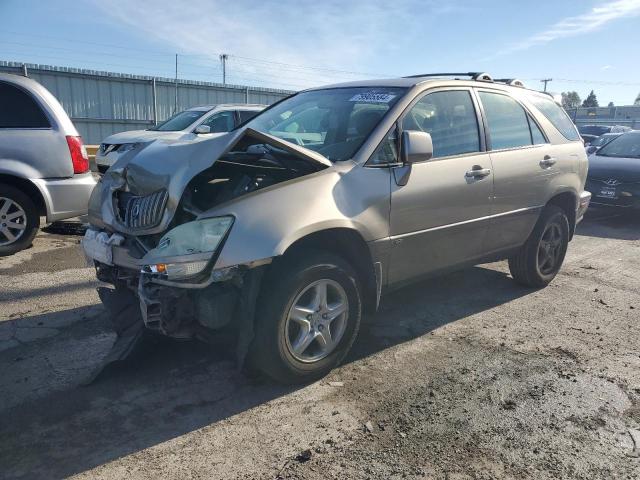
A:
x: 331, y: 33
x: 605, y: 67
x: 588, y: 22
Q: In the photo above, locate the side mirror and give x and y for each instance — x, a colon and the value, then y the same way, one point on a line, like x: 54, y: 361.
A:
x: 591, y: 149
x: 203, y: 129
x: 416, y: 146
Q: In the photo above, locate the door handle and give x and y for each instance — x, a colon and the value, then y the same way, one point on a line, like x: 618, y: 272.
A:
x: 478, y: 172
x: 547, y: 161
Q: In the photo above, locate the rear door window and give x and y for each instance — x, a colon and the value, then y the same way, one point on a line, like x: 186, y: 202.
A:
x: 18, y: 109
x: 246, y: 115
x: 508, y: 122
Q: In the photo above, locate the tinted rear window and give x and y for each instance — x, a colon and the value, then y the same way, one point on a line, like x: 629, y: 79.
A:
x: 556, y: 115
x: 246, y: 115
x: 19, y: 110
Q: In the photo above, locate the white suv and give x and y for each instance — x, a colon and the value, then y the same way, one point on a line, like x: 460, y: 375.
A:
x: 197, y: 120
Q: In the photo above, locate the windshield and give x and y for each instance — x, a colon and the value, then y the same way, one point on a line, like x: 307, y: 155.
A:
x: 179, y: 121
x: 333, y: 122
x: 626, y: 146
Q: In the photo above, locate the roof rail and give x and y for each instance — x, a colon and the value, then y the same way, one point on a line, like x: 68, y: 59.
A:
x: 463, y: 74
x: 479, y: 76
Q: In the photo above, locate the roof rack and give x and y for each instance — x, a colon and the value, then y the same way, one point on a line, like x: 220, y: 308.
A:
x: 514, y: 82
x: 478, y: 76
x: 463, y: 74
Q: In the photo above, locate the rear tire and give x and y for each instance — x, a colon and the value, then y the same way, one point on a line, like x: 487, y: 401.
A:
x: 19, y: 220
x: 540, y: 258
x: 300, y: 335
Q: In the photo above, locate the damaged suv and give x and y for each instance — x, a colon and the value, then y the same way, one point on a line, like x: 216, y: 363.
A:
x: 287, y: 230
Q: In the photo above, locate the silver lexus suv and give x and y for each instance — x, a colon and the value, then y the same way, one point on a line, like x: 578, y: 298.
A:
x: 289, y: 229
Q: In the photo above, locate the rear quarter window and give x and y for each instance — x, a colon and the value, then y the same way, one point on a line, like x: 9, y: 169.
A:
x: 19, y: 110
x: 556, y: 115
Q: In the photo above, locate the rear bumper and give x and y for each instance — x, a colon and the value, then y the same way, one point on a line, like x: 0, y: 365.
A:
x: 583, y: 205
x: 67, y: 197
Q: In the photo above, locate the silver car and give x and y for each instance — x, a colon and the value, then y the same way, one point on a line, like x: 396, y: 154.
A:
x: 197, y: 120
x: 289, y: 229
x: 44, y: 167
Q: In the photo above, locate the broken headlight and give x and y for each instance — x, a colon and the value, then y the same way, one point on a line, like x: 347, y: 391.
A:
x: 185, y: 250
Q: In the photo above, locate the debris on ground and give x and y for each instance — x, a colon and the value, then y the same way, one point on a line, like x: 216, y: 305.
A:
x: 368, y: 427
x: 304, y: 456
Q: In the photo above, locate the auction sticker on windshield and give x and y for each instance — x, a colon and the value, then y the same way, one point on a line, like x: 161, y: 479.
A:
x: 372, y: 97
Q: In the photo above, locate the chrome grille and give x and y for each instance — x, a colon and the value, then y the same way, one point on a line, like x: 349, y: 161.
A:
x: 141, y: 212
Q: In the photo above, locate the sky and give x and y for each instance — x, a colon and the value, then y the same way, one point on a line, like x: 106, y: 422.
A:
x: 294, y: 44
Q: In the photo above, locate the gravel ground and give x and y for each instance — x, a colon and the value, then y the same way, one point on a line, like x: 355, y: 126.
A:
x: 466, y: 376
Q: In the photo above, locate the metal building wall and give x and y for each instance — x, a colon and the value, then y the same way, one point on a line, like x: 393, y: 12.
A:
x: 103, y: 103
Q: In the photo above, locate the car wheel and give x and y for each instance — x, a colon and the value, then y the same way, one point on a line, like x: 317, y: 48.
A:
x: 307, y: 318
x: 19, y: 220
x: 541, y: 257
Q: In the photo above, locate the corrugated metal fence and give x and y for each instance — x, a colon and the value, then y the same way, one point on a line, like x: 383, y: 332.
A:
x: 103, y: 103
x: 628, y: 115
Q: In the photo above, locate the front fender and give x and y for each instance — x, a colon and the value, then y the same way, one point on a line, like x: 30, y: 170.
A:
x: 270, y: 221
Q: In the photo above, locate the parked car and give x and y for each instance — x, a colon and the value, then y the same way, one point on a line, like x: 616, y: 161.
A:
x: 599, y: 130
x: 290, y: 228
x: 587, y: 139
x: 197, y: 120
x: 600, y: 142
x: 614, y: 172
x: 44, y: 168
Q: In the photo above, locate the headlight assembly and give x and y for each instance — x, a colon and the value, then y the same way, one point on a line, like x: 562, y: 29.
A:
x: 185, y: 250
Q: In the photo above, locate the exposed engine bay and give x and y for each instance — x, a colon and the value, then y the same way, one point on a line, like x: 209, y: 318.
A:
x: 250, y: 166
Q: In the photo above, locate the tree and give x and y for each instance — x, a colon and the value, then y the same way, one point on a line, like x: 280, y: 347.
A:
x: 591, y: 100
x: 570, y: 100
x: 637, y: 102
x: 610, y: 105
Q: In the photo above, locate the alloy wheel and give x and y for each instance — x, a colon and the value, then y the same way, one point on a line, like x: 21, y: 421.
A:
x: 316, y: 321
x: 550, y: 248
x: 13, y: 221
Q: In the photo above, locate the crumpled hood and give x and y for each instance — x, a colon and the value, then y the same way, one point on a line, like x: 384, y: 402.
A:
x: 626, y: 170
x: 171, y: 164
x: 137, y: 136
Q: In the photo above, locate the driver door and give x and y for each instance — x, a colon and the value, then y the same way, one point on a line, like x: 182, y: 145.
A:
x: 438, y: 218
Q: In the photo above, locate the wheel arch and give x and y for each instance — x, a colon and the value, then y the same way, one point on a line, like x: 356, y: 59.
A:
x: 567, y: 201
x: 348, y: 244
x: 29, y: 188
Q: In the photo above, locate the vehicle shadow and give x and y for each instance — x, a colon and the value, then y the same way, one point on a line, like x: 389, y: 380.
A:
x: 603, y: 222
x: 171, y: 388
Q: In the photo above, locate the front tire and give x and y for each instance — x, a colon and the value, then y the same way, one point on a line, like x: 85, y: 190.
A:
x: 540, y: 258
x: 19, y: 220
x: 307, y: 317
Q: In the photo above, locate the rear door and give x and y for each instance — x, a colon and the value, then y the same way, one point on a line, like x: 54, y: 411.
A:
x: 523, y: 163
x: 439, y: 217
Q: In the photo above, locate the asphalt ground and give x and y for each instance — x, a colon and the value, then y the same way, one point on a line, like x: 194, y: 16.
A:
x: 465, y: 376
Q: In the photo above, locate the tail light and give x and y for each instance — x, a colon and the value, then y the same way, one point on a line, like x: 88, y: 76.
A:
x: 79, y: 157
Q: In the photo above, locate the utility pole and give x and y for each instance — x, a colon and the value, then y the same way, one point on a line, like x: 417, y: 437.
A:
x: 223, y: 59
x: 175, y: 103
x: 545, y: 81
